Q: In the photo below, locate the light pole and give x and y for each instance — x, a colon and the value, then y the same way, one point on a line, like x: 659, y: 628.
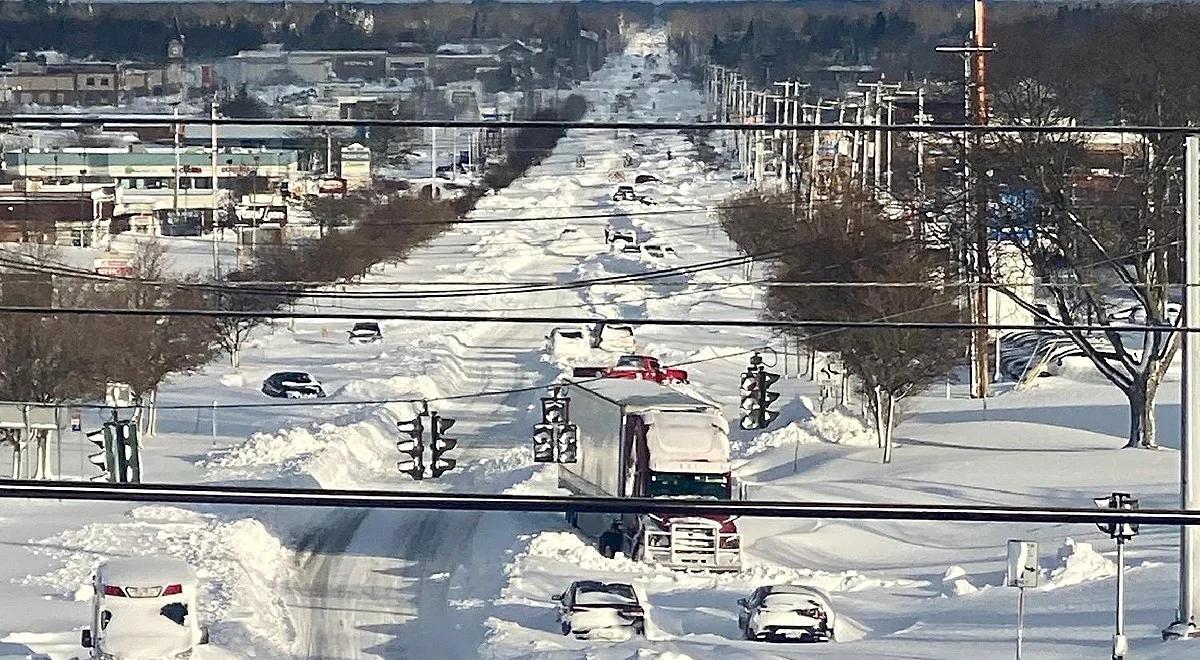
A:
x: 1119, y: 532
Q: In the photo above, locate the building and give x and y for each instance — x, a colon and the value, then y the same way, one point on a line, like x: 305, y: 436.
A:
x: 356, y: 166
x: 48, y: 78
x: 144, y: 180
x: 78, y: 218
x: 272, y: 65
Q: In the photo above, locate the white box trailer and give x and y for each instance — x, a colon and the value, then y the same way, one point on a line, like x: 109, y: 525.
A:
x: 642, y: 439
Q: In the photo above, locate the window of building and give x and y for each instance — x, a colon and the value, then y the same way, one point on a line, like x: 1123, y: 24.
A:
x: 60, y: 98
x: 91, y: 82
x: 81, y: 237
x: 104, y: 82
x: 202, y: 183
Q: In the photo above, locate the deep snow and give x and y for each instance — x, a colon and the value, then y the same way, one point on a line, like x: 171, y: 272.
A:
x: 350, y: 584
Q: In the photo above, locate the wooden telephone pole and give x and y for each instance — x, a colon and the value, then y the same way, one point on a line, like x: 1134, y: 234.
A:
x: 975, y: 99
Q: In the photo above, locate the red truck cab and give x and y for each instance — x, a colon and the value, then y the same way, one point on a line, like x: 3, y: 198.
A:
x: 635, y: 367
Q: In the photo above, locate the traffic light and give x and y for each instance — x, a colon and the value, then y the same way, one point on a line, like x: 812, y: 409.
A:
x: 129, y: 452
x: 555, y: 439
x: 1118, y: 501
x: 413, y: 447
x: 755, y: 390
x: 543, y: 443
x: 568, y: 443
x: 105, y: 459
x: 766, y: 397
x: 439, y: 444
x: 555, y: 410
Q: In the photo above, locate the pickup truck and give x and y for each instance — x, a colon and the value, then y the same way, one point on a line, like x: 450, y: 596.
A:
x: 634, y: 367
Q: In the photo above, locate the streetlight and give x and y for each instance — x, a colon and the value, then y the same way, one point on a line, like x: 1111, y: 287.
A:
x: 1119, y: 532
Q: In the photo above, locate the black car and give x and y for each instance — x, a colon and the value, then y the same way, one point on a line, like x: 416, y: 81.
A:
x: 625, y: 193
x: 292, y: 385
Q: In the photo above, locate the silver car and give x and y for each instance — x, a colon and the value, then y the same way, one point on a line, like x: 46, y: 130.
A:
x: 590, y: 609
x: 787, y: 613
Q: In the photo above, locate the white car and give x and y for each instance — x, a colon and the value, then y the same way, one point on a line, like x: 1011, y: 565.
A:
x: 615, y: 338
x: 787, y: 613
x: 568, y: 343
x: 365, y: 332
x: 589, y: 609
x: 144, y: 607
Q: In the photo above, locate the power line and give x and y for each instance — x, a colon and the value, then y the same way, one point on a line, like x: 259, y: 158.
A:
x: 150, y: 120
x: 446, y: 317
x: 426, y: 501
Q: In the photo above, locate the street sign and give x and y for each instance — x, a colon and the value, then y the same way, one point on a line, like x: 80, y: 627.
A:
x: 1024, y: 568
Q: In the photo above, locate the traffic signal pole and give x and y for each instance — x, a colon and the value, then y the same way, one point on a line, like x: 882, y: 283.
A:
x: 1184, y: 625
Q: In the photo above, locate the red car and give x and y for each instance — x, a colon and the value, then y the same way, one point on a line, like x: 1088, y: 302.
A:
x: 635, y: 367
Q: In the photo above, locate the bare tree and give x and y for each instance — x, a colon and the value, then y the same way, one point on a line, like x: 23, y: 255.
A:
x: 850, y: 240
x: 1096, y: 239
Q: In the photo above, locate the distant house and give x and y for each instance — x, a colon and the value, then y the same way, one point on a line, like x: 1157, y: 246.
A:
x: 48, y: 78
x: 78, y: 218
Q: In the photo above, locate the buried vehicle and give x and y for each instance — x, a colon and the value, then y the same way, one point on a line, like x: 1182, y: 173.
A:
x: 144, y: 607
x: 787, y: 613
x: 365, y: 332
x: 590, y: 609
x: 637, y: 438
x: 292, y: 385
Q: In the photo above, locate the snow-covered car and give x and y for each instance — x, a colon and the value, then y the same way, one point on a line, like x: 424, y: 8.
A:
x: 786, y: 613
x: 625, y: 194
x: 589, y: 609
x: 658, y: 251
x: 292, y: 385
x: 567, y: 343
x: 144, y: 607
x: 616, y: 338
x: 366, y: 332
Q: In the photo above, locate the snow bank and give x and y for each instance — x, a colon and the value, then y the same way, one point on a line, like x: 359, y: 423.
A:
x: 240, y: 565
x: 569, y: 549
x: 834, y: 426
x: 955, y: 582
x: 336, y: 455
x: 1077, y: 563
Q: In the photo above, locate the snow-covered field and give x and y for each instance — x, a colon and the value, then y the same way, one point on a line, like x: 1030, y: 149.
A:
x: 354, y: 584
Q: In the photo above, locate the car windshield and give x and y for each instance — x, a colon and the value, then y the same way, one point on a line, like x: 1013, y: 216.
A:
x: 679, y: 484
x: 789, y: 601
x: 608, y: 594
x: 617, y: 331
x: 634, y: 361
x: 366, y: 327
x: 295, y: 377
x: 570, y: 334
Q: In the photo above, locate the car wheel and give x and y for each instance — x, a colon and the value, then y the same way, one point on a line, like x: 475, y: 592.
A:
x: 608, y: 545
x: 640, y: 628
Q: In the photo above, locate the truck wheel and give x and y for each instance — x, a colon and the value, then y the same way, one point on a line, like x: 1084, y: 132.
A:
x: 572, y: 519
x: 608, y: 544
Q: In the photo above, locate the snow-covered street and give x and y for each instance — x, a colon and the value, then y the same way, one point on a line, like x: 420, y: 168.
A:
x: 348, y: 584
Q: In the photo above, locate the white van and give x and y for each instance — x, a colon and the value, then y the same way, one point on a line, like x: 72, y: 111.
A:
x: 144, y: 607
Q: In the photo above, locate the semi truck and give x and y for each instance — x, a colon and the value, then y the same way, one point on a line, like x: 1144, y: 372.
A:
x: 638, y: 438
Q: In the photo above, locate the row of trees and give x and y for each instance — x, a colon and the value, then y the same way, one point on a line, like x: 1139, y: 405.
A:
x: 216, y: 29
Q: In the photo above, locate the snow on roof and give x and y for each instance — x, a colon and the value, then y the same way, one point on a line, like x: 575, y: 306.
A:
x: 643, y: 394
x: 145, y: 571
x: 686, y: 437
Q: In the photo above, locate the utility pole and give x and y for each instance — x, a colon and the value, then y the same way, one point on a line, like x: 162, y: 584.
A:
x: 974, y: 55
x: 175, y: 189
x: 1189, y: 537
x: 213, y: 164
